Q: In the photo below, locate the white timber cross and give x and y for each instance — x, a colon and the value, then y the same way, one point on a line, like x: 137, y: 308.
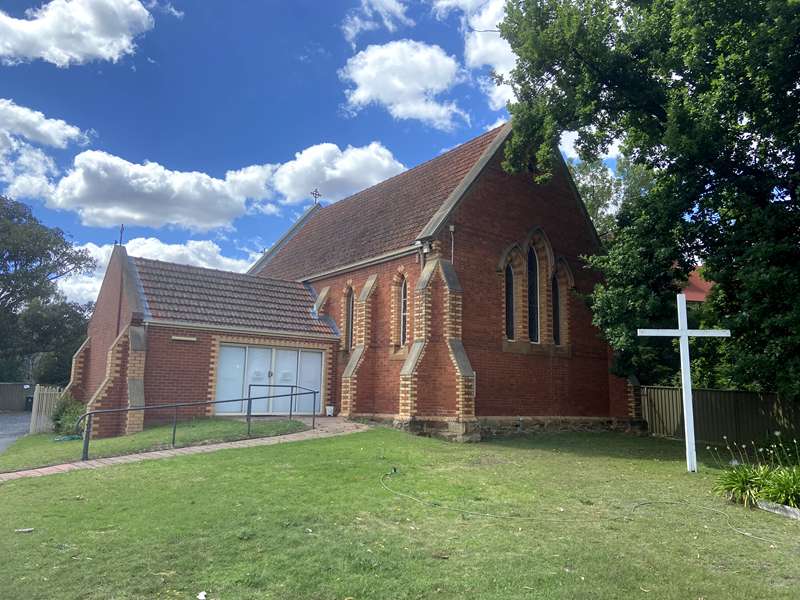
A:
x: 683, y: 333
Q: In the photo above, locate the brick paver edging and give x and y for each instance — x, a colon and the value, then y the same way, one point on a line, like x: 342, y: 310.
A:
x: 323, y: 431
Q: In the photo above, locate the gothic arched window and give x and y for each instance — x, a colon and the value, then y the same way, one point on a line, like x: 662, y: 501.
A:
x: 403, y: 312
x: 556, y: 291
x: 348, y: 319
x: 533, y: 295
x: 509, y: 277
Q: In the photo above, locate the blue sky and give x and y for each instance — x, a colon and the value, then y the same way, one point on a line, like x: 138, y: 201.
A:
x: 203, y: 126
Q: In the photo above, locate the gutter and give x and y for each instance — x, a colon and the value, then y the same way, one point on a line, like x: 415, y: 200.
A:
x: 380, y: 258
x: 238, y: 329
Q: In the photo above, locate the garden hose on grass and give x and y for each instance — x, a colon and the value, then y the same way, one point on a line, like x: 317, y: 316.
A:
x: 432, y: 504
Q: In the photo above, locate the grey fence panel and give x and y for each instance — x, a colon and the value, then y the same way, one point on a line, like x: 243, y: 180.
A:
x: 12, y: 396
x: 740, y: 416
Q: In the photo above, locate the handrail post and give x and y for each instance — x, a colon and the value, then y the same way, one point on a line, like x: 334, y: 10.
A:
x: 249, y: 406
x: 87, y: 434
x: 174, y: 424
x: 291, y: 401
x: 314, y: 411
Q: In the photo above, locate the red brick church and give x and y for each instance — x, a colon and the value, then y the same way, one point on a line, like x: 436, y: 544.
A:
x: 445, y: 299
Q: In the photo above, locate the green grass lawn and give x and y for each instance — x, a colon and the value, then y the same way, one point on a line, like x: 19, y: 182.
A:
x: 41, y: 449
x: 311, y: 520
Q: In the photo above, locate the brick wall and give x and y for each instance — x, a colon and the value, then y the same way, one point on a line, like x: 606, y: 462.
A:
x: 111, y: 315
x: 184, y: 370
x: 379, y: 374
x: 436, y: 377
x: 522, y: 378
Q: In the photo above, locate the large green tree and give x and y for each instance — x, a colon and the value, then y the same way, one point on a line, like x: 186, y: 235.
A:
x: 32, y: 259
x: 50, y: 333
x: 706, y: 95
x: 603, y: 191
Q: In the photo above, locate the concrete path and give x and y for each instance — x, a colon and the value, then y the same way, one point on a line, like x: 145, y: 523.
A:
x: 13, y: 425
x: 326, y: 427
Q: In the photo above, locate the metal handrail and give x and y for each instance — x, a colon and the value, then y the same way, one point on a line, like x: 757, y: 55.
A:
x: 89, y: 415
x: 305, y: 392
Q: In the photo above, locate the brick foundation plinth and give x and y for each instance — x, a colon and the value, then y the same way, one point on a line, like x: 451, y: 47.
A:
x: 447, y: 429
x: 503, y: 426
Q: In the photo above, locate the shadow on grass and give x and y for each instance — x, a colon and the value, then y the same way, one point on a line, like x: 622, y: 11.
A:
x: 611, y: 444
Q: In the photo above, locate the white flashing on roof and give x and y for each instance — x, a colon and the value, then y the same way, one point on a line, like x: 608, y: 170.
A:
x: 445, y: 210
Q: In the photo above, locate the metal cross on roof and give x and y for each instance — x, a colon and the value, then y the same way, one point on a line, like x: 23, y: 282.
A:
x: 316, y: 195
x: 684, y: 333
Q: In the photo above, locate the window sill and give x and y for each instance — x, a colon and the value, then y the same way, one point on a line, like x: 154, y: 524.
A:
x: 398, y: 352
x: 525, y: 347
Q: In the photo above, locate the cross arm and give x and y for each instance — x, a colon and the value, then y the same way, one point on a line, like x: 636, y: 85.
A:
x: 709, y: 332
x: 659, y: 332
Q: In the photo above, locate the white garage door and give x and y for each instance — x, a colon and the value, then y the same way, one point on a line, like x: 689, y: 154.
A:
x: 268, y: 374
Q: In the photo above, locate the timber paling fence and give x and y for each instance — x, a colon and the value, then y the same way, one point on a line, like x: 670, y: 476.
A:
x: 45, y: 399
x: 741, y: 416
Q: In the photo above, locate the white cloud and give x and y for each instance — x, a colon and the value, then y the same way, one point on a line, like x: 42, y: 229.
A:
x: 483, y: 46
x: 24, y: 168
x: 165, y: 7
x: 106, y: 190
x: 405, y: 76
x: 337, y: 173
x: 500, y: 121
x: 200, y: 253
x: 65, y: 32
x: 392, y: 14
x: 20, y: 121
x: 567, y: 146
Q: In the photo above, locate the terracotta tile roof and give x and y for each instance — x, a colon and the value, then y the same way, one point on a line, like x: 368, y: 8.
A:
x: 181, y: 293
x: 697, y: 288
x: 385, y: 217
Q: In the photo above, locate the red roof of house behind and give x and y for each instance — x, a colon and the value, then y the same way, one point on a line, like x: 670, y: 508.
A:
x: 385, y: 217
x: 697, y: 288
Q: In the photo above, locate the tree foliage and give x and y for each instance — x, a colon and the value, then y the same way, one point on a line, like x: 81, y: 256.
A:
x: 52, y: 331
x: 706, y: 95
x: 34, y: 317
x: 604, y: 191
x: 33, y: 257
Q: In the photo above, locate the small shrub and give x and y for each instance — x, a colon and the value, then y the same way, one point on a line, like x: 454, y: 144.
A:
x: 65, y: 414
x: 783, y: 486
x: 742, y: 483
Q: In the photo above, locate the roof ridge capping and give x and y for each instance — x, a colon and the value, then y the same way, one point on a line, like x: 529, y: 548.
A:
x: 425, y: 163
x: 246, y: 275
